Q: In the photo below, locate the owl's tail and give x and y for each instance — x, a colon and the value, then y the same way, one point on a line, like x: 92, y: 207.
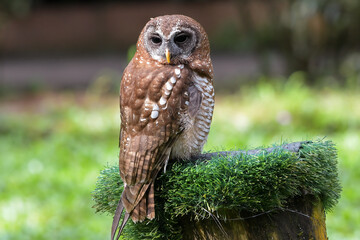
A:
x: 144, y: 209
x: 116, y: 220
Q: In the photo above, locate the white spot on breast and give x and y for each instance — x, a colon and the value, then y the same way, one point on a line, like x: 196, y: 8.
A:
x: 200, y: 137
x: 203, y: 118
x: 177, y: 72
x: 162, y: 101
x: 143, y: 119
x: 154, y: 114
x: 155, y: 107
x: 206, y: 130
x: 181, y: 66
x: 173, y: 80
x: 207, y: 94
x: 202, y: 125
x: 208, y: 120
x: 168, y: 86
x: 186, y: 102
x: 210, y: 109
x: 201, y: 133
x: 167, y: 92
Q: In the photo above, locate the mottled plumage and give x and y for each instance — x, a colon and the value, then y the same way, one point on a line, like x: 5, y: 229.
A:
x: 166, y: 106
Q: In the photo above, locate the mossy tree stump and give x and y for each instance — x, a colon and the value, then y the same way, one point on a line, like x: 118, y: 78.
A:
x: 304, y: 218
x: 274, y: 193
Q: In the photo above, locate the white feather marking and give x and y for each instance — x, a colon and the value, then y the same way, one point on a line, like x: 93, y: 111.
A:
x: 173, y: 80
x: 154, y: 114
x: 147, y: 103
x: 206, y: 130
x: 207, y: 94
x: 206, y: 119
x: 200, y: 137
x: 177, y: 71
x: 202, y: 125
x: 201, y: 133
x: 168, y: 86
x: 207, y: 108
x: 155, y: 107
x: 167, y: 92
x: 186, y: 102
x: 162, y: 101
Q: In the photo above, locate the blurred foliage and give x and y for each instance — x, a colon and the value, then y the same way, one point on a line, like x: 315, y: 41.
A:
x: 14, y: 8
x: 314, y: 35
x: 54, y: 145
x: 320, y: 37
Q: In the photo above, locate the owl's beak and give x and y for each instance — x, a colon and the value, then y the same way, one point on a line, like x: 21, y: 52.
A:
x: 167, y: 55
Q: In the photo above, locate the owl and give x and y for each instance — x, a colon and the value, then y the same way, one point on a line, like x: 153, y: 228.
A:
x: 166, y: 108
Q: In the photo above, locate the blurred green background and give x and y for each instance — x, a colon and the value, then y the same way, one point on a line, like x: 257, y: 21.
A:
x: 285, y: 70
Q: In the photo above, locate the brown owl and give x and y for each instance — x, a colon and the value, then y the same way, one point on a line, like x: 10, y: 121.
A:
x: 166, y: 107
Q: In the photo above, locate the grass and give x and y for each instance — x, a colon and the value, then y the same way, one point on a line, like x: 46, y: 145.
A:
x: 54, y: 145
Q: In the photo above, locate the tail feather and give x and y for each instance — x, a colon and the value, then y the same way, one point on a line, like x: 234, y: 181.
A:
x: 139, y: 213
x: 144, y: 209
x: 116, y: 221
x: 126, y: 218
x: 150, y: 211
x: 132, y: 195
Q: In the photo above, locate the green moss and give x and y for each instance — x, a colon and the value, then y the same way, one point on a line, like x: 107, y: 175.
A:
x: 254, y: 183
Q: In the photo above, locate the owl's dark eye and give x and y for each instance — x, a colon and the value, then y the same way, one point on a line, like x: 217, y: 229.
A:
x: 156, y: 40
x: 181, y: 38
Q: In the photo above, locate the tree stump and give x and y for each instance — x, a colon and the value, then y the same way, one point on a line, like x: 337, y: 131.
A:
x: 280, y: 192
x: 303, y: 218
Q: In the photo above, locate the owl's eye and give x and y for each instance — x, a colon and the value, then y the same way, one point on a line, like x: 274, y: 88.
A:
x: 181, y: 38
x: 156, y: 40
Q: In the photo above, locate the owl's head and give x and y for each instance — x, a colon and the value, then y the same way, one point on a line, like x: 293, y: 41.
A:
x: 173, y: 39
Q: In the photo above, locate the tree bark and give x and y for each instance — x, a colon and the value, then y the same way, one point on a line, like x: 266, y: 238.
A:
x: 303, y: 218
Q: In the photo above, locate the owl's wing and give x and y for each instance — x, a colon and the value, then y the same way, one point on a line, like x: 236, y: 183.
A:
x: 152, y: 104
x: 195, y: 99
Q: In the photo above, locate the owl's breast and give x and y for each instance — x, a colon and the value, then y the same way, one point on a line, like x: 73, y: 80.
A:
x: 153, y: 98
x: 197, y: 121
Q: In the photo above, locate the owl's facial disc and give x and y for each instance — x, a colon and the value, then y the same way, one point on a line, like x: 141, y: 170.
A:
x: 172, y: 48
